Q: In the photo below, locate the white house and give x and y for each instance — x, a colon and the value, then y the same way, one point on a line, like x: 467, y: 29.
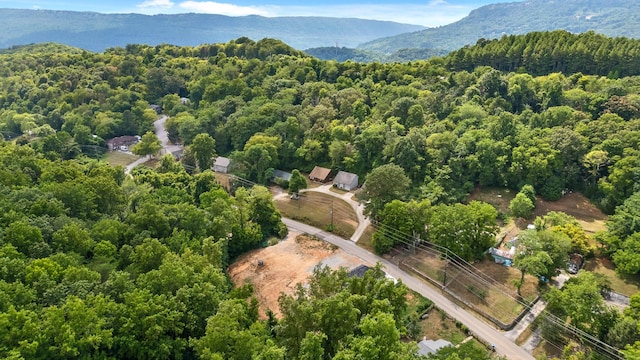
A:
x: 426, y: 347
x: 346, y: 181
x: 221, y: 164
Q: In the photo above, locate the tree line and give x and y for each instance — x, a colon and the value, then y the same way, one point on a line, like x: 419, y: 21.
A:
x: 541, y: 53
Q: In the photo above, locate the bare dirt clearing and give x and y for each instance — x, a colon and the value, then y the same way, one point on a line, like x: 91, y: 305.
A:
x: 578, y: 206
x: 284, y: 265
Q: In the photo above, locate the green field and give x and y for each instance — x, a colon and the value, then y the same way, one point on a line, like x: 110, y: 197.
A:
x: 322, y: 211
x: 119, y: 158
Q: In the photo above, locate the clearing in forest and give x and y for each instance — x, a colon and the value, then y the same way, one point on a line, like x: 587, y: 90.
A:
x: 323, y: 211
x: 278, y: 268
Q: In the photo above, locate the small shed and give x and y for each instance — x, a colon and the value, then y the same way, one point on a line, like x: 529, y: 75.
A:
x: 177, y: 154
x: 319, y: 174
x: 221, y: 164
x: 502, y: 256
x: 426, y: 347
x: 279, y: 174
x: 346, y: 181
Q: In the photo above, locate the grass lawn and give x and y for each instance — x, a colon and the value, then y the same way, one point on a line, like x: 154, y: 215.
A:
x: 627, y: 285
x: 320, y: 210
x: 115, y: 158
x: 545, y: 349
x: 365, y: 240
x: 439, y: 326
x: 498, y: 303
x: 334, y: 189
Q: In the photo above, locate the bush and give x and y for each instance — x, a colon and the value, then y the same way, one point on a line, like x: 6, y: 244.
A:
x: 521, y: 206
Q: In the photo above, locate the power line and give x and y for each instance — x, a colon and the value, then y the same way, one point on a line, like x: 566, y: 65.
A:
x: 401, y: 237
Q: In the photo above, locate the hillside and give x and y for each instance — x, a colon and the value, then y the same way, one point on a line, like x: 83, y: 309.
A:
x: 98, y: 264
x: 611, y: 18
x: 96, y: 32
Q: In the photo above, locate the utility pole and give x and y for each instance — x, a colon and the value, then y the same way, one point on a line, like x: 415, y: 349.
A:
x: 331, y: 214
x: 446, y: 260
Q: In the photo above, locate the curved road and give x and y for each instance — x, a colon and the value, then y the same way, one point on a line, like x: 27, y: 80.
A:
x: 479, y: 328
x: 161, y: 133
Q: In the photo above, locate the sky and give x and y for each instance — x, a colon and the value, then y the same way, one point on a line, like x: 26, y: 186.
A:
x: 428, y: 13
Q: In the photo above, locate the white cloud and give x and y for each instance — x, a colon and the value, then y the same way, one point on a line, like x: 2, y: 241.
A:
x: 435, y: 13
x: 156, y: 5
x: 211, y: 7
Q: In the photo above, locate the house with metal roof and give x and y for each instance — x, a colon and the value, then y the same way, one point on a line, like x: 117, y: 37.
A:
x: 279, y: 174
x: 345, y: 181
x: 427, y: 347
x: 221, y: 164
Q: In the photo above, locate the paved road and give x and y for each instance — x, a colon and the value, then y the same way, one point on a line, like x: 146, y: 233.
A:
x: 480, y: 329
x: 161, y: 133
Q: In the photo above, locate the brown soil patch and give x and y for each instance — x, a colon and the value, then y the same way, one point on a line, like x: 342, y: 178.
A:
x: 578, y: 206
x: 574, y: 204
x: 284, y: 265
x: 498, y: 197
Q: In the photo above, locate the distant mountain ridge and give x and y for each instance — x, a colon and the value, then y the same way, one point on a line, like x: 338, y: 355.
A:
x: 611, y: 17
x: 96, y: 31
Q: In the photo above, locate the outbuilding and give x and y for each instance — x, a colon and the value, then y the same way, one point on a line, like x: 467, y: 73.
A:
x: 319, y: 174
x: 221, y: 164
x: 427, y: 347
x: 279, y: 174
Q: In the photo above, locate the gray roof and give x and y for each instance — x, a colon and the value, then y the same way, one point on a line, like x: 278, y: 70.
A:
x: 344, y: 177
x: 222, y: 161
x: 426, y: 347
x: 282, y: 174
x: 359, y: 271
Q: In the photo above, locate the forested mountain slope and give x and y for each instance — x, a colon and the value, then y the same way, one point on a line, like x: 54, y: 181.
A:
x: 87, y: 250
x: 540, y: 53
x: 96, y: 31
x: 611, y: 18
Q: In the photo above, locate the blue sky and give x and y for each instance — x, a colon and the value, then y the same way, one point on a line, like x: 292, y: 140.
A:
x: 425, y: 12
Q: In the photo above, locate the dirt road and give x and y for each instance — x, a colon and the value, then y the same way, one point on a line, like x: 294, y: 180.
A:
x: 480, y: 329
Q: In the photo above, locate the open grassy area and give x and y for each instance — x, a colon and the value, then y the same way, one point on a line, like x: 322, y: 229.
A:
x: 365, y: 240
x: 115, y: 158
x: 439, y: 326
x: 498, y: 197
x: 320, y: 210
x: 338, y: 191
x: 627, y: 285
x: 500, y: 302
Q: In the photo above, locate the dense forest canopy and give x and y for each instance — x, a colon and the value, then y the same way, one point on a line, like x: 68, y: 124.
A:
x: 539, y: 53
x: 85, y: 247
